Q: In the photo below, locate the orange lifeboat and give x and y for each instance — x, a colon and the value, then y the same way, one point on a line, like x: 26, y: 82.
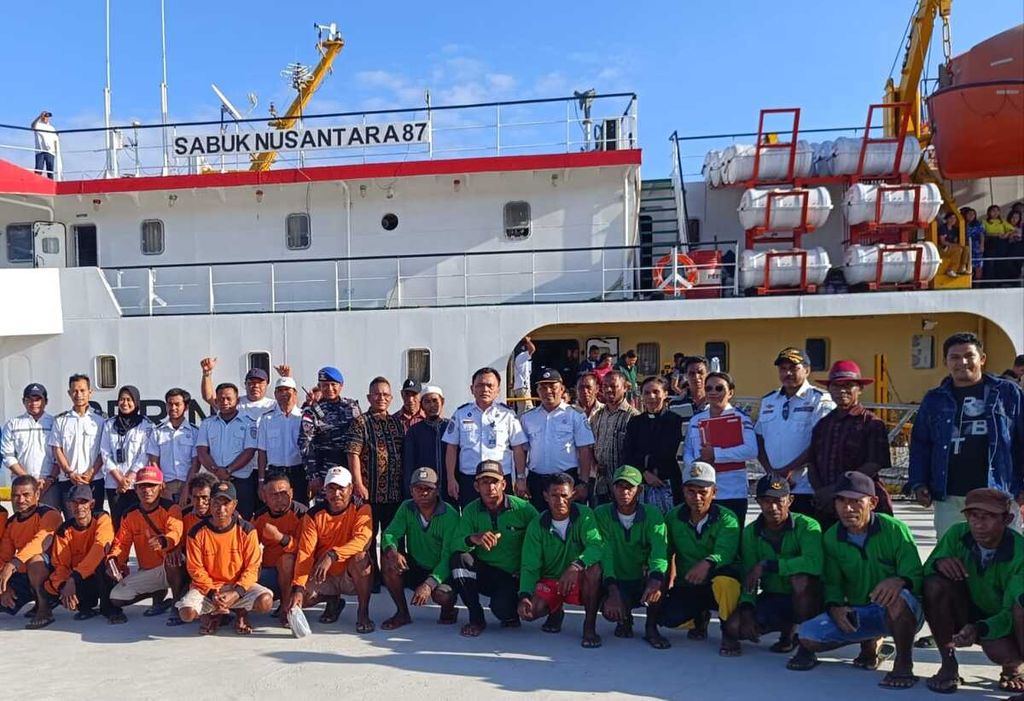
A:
x: 977, y: 117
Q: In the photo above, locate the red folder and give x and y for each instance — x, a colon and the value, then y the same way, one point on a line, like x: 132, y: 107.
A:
x: 722, y: 432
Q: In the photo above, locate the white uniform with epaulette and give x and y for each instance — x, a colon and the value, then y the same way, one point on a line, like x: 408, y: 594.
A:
x: 277, y: 434
x: 554, y: 437
x: 175, y: 448
x: 25, y: 442
x: 79, y: 437
x: 785, y: 425
x: 484, y: 434
x: 124, y: 453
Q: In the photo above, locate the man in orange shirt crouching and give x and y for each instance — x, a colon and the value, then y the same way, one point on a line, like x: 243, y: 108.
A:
x: 332, y: 558
x: 278, y: 525
x: 223, y: 560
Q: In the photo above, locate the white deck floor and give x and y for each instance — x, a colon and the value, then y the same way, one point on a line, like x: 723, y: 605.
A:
x: 145, y: 659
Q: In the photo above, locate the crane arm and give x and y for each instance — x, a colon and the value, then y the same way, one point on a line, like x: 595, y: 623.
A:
x: 909, y: 88
x: 329, y: 50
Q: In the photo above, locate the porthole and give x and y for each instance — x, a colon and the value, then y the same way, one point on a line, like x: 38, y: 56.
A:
x: 389, y: 222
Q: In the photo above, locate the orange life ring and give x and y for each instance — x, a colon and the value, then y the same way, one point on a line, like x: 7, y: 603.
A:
x: 685, y: 277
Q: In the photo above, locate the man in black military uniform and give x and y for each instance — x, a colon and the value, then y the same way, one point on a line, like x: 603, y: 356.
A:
x: 324, y: 426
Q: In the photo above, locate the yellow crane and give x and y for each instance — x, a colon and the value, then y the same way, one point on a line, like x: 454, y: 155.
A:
x: 329, y: 44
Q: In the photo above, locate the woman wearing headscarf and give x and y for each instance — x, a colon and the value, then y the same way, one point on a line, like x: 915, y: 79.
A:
x: 123, y: 448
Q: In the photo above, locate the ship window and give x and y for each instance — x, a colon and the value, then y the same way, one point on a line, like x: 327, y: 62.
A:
x: 389, y: 221
x: 517, y: 220
x: 260, y: 360
x: 717, y: 350
x: 419, y: 364
x: 51, y: 245
x: 922, y: 352
x: 152, y: 237
x: 106, y: 372
x: 817, y: 353
x: 648, y: 357
x: 19, y: 243
x: 297, y: 231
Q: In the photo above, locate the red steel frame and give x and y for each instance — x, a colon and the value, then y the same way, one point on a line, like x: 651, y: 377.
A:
x: 756, y: 234
x: 874, y: 231
x: 915, y: 284
x: 804, y: 286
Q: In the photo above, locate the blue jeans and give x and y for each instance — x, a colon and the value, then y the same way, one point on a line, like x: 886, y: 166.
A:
x: 872, y: 623
x: 44, y: 164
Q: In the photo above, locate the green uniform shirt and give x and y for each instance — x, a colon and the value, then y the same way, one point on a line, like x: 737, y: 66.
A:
x: 431, y: 545
x: 510, y: 521
x: 994, y: 589
x: 628, y: 553
x: 546, y: 555
x: 718, y: 542
x: 851, y: 573
x: 798, y: 551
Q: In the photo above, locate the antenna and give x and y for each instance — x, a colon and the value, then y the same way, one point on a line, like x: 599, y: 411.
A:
x: 226, y: 105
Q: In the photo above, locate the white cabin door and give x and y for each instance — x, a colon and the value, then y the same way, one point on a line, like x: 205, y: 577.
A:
x: 50, y: 242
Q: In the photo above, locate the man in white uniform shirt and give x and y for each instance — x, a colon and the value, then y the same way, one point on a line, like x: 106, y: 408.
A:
x: 277, y: 440
x: 172, y: 445
x: 560, y: 441
x: 227, y: 445
x: 75, y: 440
x: 784, y: 424
x: 483, y: 429
x: 522, y: 369
x: 24, y: 445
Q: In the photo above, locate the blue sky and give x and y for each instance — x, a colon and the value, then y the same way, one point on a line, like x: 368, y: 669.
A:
x: 699, y: 66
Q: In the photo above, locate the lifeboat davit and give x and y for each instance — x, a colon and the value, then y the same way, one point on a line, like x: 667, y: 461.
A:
x: 977, y: 119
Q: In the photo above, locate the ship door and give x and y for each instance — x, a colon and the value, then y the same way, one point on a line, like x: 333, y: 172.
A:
x: 50, y: 244
x: 83, y: 244
x: 561, y: 355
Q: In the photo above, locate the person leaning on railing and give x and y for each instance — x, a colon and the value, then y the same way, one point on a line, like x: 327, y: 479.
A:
x: 47, y: 143
x: 997, y: 242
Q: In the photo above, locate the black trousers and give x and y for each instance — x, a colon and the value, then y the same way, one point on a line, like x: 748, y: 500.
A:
x: 92, y: 591
x: 737, y: 506
x: 297, y: 478
x: 536, y: 483
x: 248, y: 490
x: 471, y: 578
x: 684, y: 601
x: 119, y: 503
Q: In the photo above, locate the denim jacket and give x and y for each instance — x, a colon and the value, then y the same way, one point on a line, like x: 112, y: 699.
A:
x: 933, y: 431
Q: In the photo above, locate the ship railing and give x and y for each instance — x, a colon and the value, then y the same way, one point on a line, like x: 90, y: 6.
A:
x: 899, y: 420
x: 510, y: 127
x: 543, y: 276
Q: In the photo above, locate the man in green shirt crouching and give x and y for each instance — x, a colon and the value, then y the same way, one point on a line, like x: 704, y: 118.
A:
x: 635, y: 557
x: 782, y: 565
x: 704, y: 539
x: 872, y: 576
x: 974, y: 591
x: 562, y: 562
x: 487, y: 551
x: 428, y: 526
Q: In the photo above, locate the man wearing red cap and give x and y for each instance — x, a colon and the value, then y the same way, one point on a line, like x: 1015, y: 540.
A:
x: 974, y: 591
x: 153, y: 527
x: 850, y: 438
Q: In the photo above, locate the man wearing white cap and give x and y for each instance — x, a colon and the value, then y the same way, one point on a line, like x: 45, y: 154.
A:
x: 423, y: 446
x: 332, y: 557
x: 277, y: 440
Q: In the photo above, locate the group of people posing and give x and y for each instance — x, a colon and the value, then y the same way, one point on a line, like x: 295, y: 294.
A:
x: 586, y: 505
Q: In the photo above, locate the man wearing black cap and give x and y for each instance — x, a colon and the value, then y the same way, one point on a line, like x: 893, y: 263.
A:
x: 417, y: 547
x: 782, y: 564
x: 872, y: 577
x: 784, y: 424
x: 79, y: 546
x: 974, y: 591
x: 487, y: 552
x: 325, y: 424
x: 411, y: 413
x: 560, y: 440
x: 255, y: 403
x: 24, y: 443
x: 224, y: 564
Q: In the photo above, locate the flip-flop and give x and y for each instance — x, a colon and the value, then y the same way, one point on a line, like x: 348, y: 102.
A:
x: 174, y: 620
x: 898, y: 681
x: 783, y: 646
x: 658, y: 642
x: 85, y: 614
x: 925, y: 642
x: 554, y: 622
x: 512, y: 623
x: 448, y: 616
x: 332, y: 611
x: 730, y: 648
x: 242, y: 627
x: 117, y: 618
x: 868, y: 662
x: 158, y: 609
x: 591, y: 643
x: 624, y: 630
x: 1006, y: 680
x: 943, y: 685
x: 472, y: 630
x: 802, y: 661
x: 365, y: 627
x: 37, y: 623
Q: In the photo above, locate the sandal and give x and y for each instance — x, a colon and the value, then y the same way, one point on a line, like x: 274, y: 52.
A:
x: 1011, y: 681
x: 209, y: 624
x: 657, y: 641
x: 367, y: 626
x: 158, y: 609
x: 591, y: 641
x: 39, y: 622
x: 700, y: 627
x: 117, y: 618
x: 449, y: 616
x: 512, y: 623
x: 624, y: 629
x: 898, y: 681
x: 925, y: 642
x: 803, y: 661
x: 730, y: 648
x: 242, y: 626
x: 174, y: 620
x: 784, y: 645
x: 944, y: 684
x: 85, y: 614
x: 332, y: 611
x: 554, y: 622
x: 868, y: 662
x: 472, y: 630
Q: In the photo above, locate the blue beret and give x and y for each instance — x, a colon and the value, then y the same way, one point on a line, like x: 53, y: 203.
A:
x: 329, y: 374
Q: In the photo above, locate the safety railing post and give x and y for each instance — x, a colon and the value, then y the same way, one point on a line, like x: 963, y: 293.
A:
x: 465, y: 279
x: 209, y: 282
x: 533, y: 276
x: 273, y: 288
x: 497, y: 130
x: 398, y: 279
x: 150, y: 291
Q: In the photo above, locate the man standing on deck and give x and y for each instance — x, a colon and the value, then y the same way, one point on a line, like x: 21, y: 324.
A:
x: 75, y: 440
x: 522, y: 369
x: 560, y: 441
x: 609, y: 427
x: 784, y: 424
x: 487, y: 552
x: 974, y: 591
x: 587, y: 392
x: 872, y: 579
x: 628, y: 369
x: 424, y: 444
x: 590, y: 363
x: 968, y: 434
x: 484, y: 429
x: 172, y: 445
x: 24, y: 444
x: 277, y: 440
x: 324, y: 426
x: 226, y: 446
x: 23, y: 569
x: 411, y: 412
x: 256, y: 402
